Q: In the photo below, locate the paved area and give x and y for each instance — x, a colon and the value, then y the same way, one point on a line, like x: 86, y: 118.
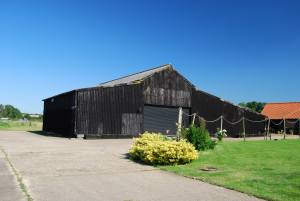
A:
x: 61, y: 169
x: 9, y: 189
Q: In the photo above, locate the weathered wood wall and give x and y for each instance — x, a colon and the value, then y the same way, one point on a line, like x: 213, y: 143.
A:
x: 118, y: 111
x: 211, y: 107
x: 167, y: 88
x: 254, y: 128
x: 232, y: 113
x: 208, y: 107
x: 59, y: 114
x: 112, y: 111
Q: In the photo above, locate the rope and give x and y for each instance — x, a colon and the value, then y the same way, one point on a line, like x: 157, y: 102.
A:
x: 189, y: 115
x: 256, y: 121
x: 210, y: 121
x: 292, y: 122
x: 232, y: 123
x: 276, y: 123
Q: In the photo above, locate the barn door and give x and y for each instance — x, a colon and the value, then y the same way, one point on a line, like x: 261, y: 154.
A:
x: 163, y: 119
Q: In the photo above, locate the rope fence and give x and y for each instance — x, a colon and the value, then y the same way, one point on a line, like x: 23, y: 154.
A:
x: 222, y: 121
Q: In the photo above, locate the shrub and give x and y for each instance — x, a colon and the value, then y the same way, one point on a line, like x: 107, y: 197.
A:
x: 200, y: 138
x: 220, y: 134
x: 155, y: 149
x: 183, y: 133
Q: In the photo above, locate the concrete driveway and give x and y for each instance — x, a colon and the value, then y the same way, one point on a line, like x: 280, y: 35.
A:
x: 61, y: 169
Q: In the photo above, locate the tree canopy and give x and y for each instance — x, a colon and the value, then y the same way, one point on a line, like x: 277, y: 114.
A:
x: 10, y: 111
x: 253, y: 105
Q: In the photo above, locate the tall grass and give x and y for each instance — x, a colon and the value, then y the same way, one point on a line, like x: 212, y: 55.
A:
x: 14, y: 125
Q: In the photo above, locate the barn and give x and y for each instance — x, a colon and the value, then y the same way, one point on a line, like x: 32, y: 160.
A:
x: 144, y: 101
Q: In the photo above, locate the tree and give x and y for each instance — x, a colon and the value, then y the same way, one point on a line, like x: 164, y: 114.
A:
x: 1, y: 109
x: 10, y: 111
x: 253, y: 105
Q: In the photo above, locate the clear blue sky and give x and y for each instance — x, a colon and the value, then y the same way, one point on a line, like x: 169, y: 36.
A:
x: 237, y: 50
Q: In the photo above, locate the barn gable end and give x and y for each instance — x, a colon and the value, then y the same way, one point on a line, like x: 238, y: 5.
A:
x: 167, y: 87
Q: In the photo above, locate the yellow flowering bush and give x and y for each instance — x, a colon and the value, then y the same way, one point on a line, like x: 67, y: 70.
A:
x: 156, y: 149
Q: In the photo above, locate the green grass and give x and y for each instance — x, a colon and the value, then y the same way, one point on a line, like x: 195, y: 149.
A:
x: 20, y: 126
x: 266, y: 169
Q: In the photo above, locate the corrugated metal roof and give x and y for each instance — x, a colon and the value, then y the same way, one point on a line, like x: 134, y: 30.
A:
x: 135, y: 77
x: 282, y: 110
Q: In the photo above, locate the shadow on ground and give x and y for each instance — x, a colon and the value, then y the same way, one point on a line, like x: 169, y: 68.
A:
x: 47, y: 134
x: 128, y: 157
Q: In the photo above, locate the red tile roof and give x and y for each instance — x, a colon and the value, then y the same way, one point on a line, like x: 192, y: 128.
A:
x: 282, y: 110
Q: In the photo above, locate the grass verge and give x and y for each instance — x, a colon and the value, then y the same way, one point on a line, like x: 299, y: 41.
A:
x: 266, y: 169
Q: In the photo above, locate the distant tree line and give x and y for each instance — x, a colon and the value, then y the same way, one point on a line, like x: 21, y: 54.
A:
x: 253, y: 105
x: 11, y: 112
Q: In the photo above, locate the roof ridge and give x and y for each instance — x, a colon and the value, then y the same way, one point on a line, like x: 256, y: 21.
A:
x: 153, y: 68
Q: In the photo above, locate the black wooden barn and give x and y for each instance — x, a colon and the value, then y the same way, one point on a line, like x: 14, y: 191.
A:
x: 145, y: 101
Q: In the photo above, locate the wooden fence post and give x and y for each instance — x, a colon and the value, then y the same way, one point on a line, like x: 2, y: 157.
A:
x: 265, y: 134
x: 244, y: 129
x: 299, y: 128
x: 284, y: 128
x: 269, y: 134
x: 179, y: 123
x: 193, y: 120
x: 221, y: 123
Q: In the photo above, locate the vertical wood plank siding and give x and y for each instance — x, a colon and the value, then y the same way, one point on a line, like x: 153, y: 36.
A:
x: 118, y: 111
x: 232, y: 113
x: 103, y: 112
x: 210, y: 108
x: 167, y: 88
x: 59, y: 114
x: 254, y: 129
